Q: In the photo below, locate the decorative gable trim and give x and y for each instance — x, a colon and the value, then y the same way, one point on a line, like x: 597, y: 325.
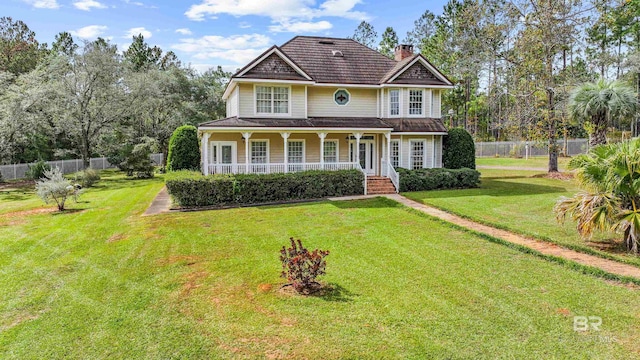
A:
x: 267, y: 55
x: 413, y: 71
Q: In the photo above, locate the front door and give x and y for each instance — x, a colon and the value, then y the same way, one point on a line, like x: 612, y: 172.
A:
x: 367, y: 152
x: 223, y: 156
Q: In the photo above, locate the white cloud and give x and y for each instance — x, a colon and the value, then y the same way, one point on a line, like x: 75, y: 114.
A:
x: 239, y: 49
x: 86, y: 5
x: 138, y: 3
x: 184, y: 31
x: 89, y: 32
x: 43, y: 4
x: 286, y: 15
x: 202, y: 68
x: 244, y: 25
x: 137, y: 31
x: 300, y: 27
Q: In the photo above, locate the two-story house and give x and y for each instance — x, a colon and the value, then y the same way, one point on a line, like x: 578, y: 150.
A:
x: 327, y: 103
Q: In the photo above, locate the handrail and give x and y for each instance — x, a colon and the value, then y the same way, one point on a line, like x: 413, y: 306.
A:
x: 359, y: 167
x: 394, y: 176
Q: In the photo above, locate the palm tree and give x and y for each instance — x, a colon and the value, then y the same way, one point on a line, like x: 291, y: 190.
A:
x: 597, y: 103
x: 610, y: 177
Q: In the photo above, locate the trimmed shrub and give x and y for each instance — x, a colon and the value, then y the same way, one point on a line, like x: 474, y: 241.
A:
x: 458, y: 150
x: 184, y: 150
x: 87, y: 177
x: 190, y: 188
x: 36, y: 170
x: 302, y: 267
x: 432, y: 179
x: 54, y: 187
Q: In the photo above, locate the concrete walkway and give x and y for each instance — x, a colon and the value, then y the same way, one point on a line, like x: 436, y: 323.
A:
x: 160, y: 204
x: 543, y: 247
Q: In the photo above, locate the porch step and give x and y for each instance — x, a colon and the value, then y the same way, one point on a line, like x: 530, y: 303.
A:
x: 379, y: 185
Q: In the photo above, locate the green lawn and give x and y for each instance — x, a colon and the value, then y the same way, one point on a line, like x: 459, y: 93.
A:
x: 518, y: 201
x: 541, y: 162
x: 105, y: 282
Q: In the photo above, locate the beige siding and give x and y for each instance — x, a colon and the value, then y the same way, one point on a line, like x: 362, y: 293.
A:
x: 232, y: 103
x: 362, y: 104
x: 430, y: 147
x: 247, y: 103
x: 437, y: 110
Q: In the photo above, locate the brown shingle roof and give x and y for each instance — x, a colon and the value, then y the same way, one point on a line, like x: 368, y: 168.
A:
x: 398, y: 125
x: 358, y: 65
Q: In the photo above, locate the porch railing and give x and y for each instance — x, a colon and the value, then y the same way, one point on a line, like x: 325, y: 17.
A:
x: 359, y: 167
x: 274, y: 168
x: 391, y: 173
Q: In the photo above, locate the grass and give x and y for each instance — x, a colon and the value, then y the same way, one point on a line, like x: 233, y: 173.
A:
x: 105, y: 282
x: 515, y: 200
x: 532, y: 162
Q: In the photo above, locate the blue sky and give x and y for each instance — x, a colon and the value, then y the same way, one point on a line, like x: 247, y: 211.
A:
x: 205, y: 33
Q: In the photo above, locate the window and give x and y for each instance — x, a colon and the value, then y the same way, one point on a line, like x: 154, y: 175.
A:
x: 272, y: 99
x: 395, y: 153
x: 394, y: 102
x: 295, y: 153
x: 259, y: 152
x: 416, y: 158
x: 341, y: 97
x: 331, y: 151
x: 415, y: 102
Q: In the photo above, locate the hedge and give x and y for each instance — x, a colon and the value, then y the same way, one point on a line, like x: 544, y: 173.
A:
x: 431, y: 179
x: 458, y: 150
x: 184, y: 149
x: 192, y: 189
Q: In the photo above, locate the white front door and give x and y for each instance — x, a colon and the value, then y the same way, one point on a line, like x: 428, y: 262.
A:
x: 223, y: 157
x: 367, y: 152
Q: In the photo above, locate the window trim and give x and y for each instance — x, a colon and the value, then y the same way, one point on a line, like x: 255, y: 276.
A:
x: 304, y: 150
x: 337, y: 142
x: 271, y: 114
x: 333, y: 97
x: 399, y: 152
x: 424, y: 152
x: 251, y: 141
x: 422, y: 112
x: 399, y: 102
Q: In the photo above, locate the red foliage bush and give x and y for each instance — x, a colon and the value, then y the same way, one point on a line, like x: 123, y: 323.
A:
x: 301, y: 267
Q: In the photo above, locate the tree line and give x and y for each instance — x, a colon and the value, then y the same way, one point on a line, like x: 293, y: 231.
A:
x: 519, y: 65
x: 83, y: 99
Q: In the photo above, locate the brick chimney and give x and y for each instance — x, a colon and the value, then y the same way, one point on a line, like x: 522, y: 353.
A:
x: 403, y: 51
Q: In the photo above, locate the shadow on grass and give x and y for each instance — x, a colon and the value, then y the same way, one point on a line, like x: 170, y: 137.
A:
x: 490, y: 187
x: 16, y: 195
x: 118, y: 183
x: 378, y: 202
x: 336, y: 293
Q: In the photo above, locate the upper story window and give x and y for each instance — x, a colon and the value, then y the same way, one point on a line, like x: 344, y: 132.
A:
x: 415, y: 102
x: 394, y: 102
x: 272, y: 99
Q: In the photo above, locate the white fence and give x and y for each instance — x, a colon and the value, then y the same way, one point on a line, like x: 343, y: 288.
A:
x: 520, y: 148
x: 19, y: 171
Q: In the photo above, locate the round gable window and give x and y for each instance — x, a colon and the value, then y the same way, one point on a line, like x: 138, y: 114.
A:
x: 341, y: 97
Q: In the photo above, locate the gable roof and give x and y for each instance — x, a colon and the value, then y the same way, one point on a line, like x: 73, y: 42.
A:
x: 274, y: 64
x: 416, y: 69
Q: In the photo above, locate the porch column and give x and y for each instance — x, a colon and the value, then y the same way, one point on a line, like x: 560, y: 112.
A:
x: 205, y: 152
x: 285, y: 137
x: 322, y: 136
x: 246, y: 136
x: 357, y: 136
x: 388, y: 136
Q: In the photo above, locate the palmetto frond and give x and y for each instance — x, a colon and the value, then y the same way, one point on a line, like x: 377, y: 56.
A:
x: 591, y: 212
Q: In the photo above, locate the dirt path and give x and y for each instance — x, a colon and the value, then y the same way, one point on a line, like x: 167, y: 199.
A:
x: 160, y: 204
x: 543, y: 247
